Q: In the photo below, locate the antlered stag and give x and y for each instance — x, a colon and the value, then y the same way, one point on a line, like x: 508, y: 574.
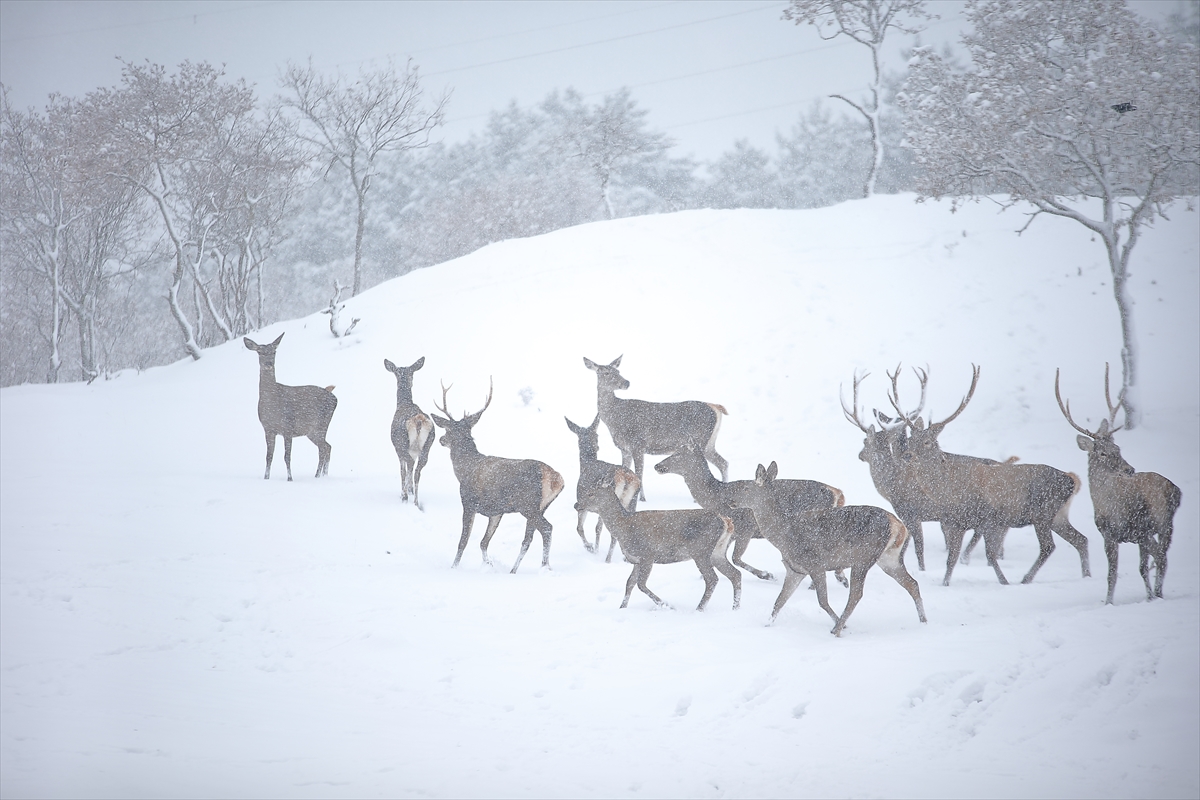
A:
x: 667, y: 537
x: 639, y: 427
x: 1130, y: 506
x: 291, y: 411
x: 854, y: 537
x: 494, y: 486
x: 592, y: 472
x: 967, y: 493
x: 412, y: 431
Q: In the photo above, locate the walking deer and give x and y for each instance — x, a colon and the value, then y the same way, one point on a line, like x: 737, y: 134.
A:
x: 1130, y: 506
x: 667, y: 537
x: 412, y: 431
x: 291, y: 411
x: 795, y: 496
x: 854, y: 537
x: 989, y: 497
x: 593, y: 472
x: 639, y: 427
x: 494, y: 486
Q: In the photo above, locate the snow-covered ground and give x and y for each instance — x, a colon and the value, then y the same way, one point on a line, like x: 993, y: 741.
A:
x: 172, y: 625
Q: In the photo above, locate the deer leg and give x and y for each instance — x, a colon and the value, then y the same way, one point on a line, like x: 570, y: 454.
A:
x: 918, y: 539
x: 858, y: 577
x: 612, y: 545
x: 710, y: 580
x: 493, y: 523
x: 638, y: 459
x: 1144, y: 568
x: 1160, y: 558
x: 405, y: 475
x: 643, y: 574
x: 966, y: 553
x: 583, y: 536
x: 1045, y: 548
x: 954, y: 537
x: 791, y: 580
x: 324, y: 449
x: 287, y: 456
x: 894, y: 568
x: 424, y: 458
x: 270, y: 454
x: 1063, y: 527
x: 529, y: 526
x: 993, y: 539
x: 739, y: 547
x: 468, y: 523
x: 599, y: 528
x: 1110, y: 550
x: 717, y: 461
x: 725, y: 568
x: 629, y: 584
x: 818, y: 579
x: 546, y: 530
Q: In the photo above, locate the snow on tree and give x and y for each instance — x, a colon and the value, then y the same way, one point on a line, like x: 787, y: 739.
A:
x: 1064, y: 100
x: 866, y: 22
x: 353, y: 124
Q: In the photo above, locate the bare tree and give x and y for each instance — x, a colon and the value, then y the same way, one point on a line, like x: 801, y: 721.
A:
x: 353, y: 124
x: 866, y: 22
x: 1065, y: 100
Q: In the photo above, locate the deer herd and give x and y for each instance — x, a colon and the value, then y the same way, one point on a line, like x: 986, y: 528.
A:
x: 805, y: 520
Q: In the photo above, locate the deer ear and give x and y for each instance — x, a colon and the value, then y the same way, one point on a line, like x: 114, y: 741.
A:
x: 760, y: 474
x: 420, y: 362
x: 595, y: 423
x: 587, y: 362
x: 772, y: 471
x: 389, y: 366
x: 575, y: 429
x: 441, y: 422
x: 1085, y: 443
x: 249, y: 344
x: 277, y: 341
x: 617, y: 362
x: 919, y: 425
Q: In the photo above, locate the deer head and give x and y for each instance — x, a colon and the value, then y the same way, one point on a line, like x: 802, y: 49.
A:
x: 458, y: 431
x: 607, y: 376
x: 1098, y: 444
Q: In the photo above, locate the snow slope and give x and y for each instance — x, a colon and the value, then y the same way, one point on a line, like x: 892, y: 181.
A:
x: 172, y: 625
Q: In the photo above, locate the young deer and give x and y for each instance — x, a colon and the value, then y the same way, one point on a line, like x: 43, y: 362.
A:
x: 968, y: 493
x: 857, y: 537
x: 494, y: 486
x: 666, y: 537
x: 290, y: 411
x: 639, y: 427
x: 592, y: 472
x: 795, y: 496
x: 1130, y: 506
x: 412, y: 431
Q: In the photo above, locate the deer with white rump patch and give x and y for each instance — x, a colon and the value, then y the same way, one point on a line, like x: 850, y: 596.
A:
x: 639, y: 427
x: 1130, y: 506
x: 412, y: 431
x: 592, y: 472
x: 667, y: 537
x: 854, y: 537
x: 494, y: 486
x: 990, y: 497
x: 795, y: 496
x: 291, y: 411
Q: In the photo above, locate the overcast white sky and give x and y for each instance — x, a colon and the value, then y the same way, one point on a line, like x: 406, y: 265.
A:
x: 708, y: 72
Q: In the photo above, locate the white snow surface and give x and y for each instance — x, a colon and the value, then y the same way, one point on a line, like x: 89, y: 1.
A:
x: 173, y: 625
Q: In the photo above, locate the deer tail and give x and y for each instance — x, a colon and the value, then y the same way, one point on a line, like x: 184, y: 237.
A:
x: 717, y: 407
x: 552, y: 484
x: 726, y: 535
x: 330, y: 389
x: 1060, y: 517
x: 897, y: 536
x: 1011, y: 460
x: 839, y: 498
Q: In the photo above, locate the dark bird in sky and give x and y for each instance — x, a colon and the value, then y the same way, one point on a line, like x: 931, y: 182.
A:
x: 1121, y: 108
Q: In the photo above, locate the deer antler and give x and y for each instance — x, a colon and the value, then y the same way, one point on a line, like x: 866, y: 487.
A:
x: 1065, y: 408
x: 475, y: 417
x: 894, y: 395
x: 853, y: 417
x: 1105, y: 428
x: 962, y: 405
x: 442, y: 407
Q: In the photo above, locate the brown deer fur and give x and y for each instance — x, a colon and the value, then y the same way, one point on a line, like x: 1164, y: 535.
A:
x: 593, y: 471
x: 412, y: 430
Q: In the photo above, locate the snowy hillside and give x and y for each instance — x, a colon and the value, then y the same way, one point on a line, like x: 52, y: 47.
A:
x: 172, y: 625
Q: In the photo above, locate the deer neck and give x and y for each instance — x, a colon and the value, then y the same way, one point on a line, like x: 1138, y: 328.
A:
x: 606, y: 401
x: 403, y: 393
x: 266, y: 379
x: 588, y: 455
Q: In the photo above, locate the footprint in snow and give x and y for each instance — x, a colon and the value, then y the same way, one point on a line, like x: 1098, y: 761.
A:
x: 681, y: 708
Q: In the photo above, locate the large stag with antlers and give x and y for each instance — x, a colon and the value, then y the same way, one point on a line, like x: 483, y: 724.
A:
x: 1130, y: 506
x: 593, y: 472
x: 991, y: 497
x: 494, y: 486
x: 291, y: 411
x: 639, y: 427
x: 412, y: 431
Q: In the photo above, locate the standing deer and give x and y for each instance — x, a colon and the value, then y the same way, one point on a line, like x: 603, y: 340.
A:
x: 639, y: 427
x: 795, y: 496
x: 854, y: 537
x: 412, y: 431
x: 494, y: 486
x: 667, y: 537
x: 1130, y: 506
x: 968, y: 493
x: 593, y: 472
x: 290, y: 411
